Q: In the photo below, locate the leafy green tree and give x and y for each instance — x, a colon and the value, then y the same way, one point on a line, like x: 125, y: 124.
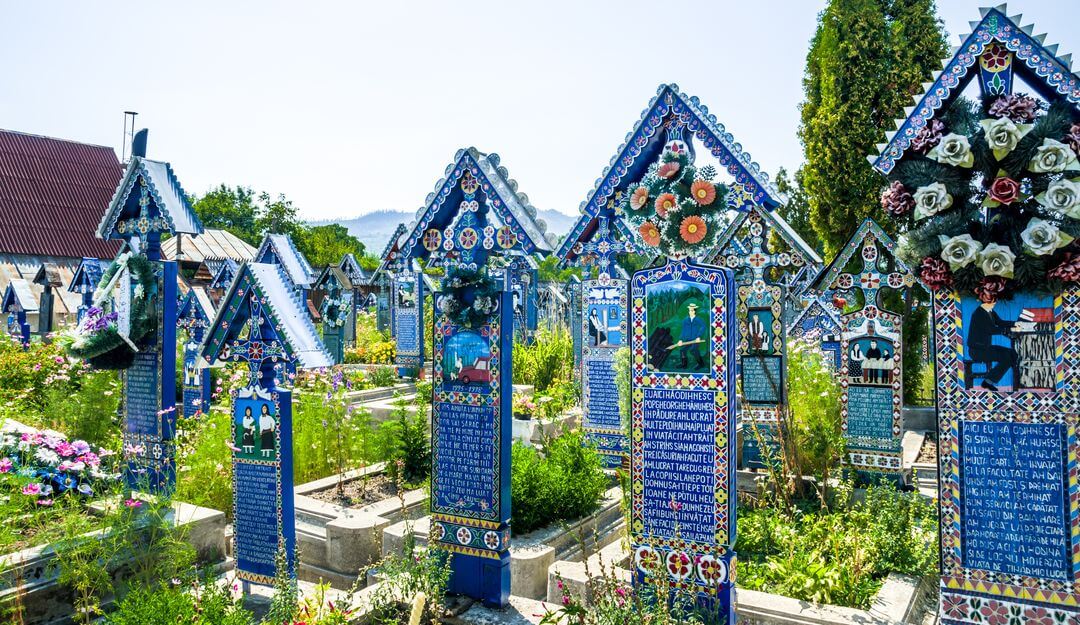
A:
x: 866, y: 60
x: 326, y: 244
x: 229, y: 208
x: 277, y: 215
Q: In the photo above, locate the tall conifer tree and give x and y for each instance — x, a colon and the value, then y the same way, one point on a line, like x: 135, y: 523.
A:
x: 866, y: 60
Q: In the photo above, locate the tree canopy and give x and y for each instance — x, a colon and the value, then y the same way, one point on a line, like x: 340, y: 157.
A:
x: 866, y: 60
x: 251, y: 216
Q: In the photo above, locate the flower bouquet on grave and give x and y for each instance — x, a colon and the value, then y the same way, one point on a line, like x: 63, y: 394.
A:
x: 470, y: 296
x: 335, y: 311
x: 990, y: 196
x: 676, y: 207
x: 44, y: 464
x: 99, y: 338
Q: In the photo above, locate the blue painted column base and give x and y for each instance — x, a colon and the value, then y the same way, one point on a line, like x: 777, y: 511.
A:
x: 486, y: 578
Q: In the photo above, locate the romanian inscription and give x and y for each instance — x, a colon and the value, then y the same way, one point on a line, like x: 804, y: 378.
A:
x: 602, y: 395
x: 1013, y: 480
x: 141, y: 403
x: 761, y: 379
x: 679, y: 462
x: 465, y: 467
x: 256, y: 519
x: 870, y: 412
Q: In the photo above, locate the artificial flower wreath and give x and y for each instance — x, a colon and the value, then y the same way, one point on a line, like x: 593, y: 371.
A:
x: 335, y: 311
x: 991, y: 198
x: 676, y: 206
x: 97, y: 339
x: 470, y: 297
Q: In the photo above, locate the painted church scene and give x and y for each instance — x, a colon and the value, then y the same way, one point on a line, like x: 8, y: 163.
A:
x: 398, y: 315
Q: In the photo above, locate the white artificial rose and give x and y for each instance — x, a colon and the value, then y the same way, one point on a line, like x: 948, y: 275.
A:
x: 1042, y: 237
x: 1002, y: 135
x: 1053, y: 156
x: 1062, y: 196
x: 931, y: 200
x: 959, y: 251
x: 953, y: 149
x: 997, y: 260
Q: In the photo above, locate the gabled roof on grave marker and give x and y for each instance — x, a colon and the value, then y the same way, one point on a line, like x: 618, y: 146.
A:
x: 224, y: 275
x: 168, y: 196
x: 643, y: 145
x: 333, y: 273
x: 775, y: 221
x: 198, y: 300
x: 353, y: 270
x: 48, y: 274
x: 18, y: 291
x: 827, y: 277
x: 284, y: 308
x: 389, y: 257
x: 282, y: 248
x: 510, y: 207
x: 1047, y: 72
x: 817, y: 308
x: 87, y: 275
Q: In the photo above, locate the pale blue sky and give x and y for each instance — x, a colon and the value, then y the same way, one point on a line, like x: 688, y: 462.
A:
x: 353, y: 107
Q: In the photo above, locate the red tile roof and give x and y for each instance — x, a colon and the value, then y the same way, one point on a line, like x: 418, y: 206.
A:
x: 53, y: 193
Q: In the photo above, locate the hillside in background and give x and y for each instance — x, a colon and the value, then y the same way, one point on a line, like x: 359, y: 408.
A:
x: 374, y: 229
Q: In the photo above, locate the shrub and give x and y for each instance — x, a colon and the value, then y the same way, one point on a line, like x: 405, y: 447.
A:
x: 383, y: 376
x: 547, y: 360
x: 564, y: 483
x: 840, y: 556
x: 407, y: 448
x: 197, y: 604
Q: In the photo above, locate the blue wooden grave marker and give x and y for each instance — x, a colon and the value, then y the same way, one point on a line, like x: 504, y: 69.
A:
x: 470, y: 440
x: 683, y: 432
x: 18, y: 301
x: 1008, y: 497
x: 193, y: 316
x: 222, y: 280
x: 389, y: 263
x: 819, y: 322
x: 475, y: 212
x: 263, y: 323
x: 871, y: 370
x: 357, y: 277
x: 148, y: 203
x: 407, y: 321
x: 766, y: 268
x: 337, y: 310
x: 84, y: 282
x: 524, y: 277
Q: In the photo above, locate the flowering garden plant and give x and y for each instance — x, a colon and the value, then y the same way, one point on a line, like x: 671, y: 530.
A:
x: 676, y: 206
x: 990, y: 195
x: 44, y: 465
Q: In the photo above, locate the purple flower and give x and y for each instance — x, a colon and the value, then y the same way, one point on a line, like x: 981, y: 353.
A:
x: 80, y: 447
x: 84, y: 489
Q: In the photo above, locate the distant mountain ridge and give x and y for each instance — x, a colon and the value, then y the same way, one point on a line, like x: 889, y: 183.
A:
x: 374, y: 229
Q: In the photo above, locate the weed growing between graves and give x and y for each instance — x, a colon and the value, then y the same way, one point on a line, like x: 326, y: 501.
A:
x: 547, y: 360
x: 810, y: 440
x: 840, y: 555
x: 562, y: 484
x: 197, y: 603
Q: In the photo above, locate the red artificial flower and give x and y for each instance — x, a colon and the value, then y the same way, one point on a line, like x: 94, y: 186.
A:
x: 896, y: 200
x: 668, y: 170
x: 1073, y: 138
x: 928, y: 136
x: 1068, y: 270
x: 1004, y: 190
x: 935, y: 273
x: 703, y: 192
x: 991, y: 288
x: 664, y: 203
x: 649, y: 233
x: 693, y: 229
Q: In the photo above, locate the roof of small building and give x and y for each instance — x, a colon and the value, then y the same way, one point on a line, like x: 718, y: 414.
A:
x: 212, y: 244
x: 53, y: 193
